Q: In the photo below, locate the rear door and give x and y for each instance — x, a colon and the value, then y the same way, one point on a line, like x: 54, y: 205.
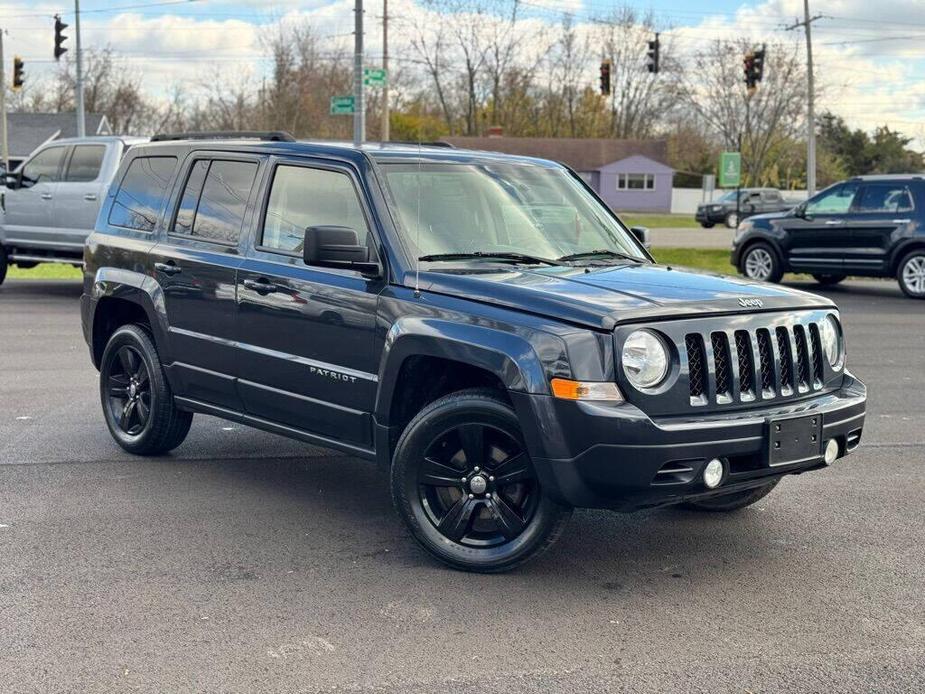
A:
x: 882, y: 212
x: 28, y: 209
x: 78, y: 196
x: 819, y: 236
x: 306, y: 334
x: 196, y: 265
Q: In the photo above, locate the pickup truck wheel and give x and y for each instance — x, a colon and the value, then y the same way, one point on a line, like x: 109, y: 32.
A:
x: 137, y: 400
x: 707, y: 225
x: 911, y: 275
x: 732, y: 502
x: 732, y: 220
x: 760, y: 262
x: 463, y: 483
x: 828, y: 280
x: 3, y: 264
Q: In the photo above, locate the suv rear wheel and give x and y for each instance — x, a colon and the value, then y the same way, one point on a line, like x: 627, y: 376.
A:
x: 137, y: 400
x: 463, y: 483
x: 733, y: 501
x: 911, y: 274
x: 760, y: 263
x: 3, y: 264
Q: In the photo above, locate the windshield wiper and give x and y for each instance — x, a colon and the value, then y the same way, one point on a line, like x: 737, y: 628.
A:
x: 489, y: 255
x: 606, y: 252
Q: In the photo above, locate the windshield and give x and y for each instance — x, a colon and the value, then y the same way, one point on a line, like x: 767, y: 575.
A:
x: 729, y: 196
x: 500, y: 208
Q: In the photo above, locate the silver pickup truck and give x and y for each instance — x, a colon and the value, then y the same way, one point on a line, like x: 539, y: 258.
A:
x: 51, y: 201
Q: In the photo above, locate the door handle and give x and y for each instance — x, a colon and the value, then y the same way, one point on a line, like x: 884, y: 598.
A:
x: 834, y: 222
x: 167, y: 268
x: 90, y: 197
x: 46, y: 196
x: 901, y: 221
x: 261, y: 286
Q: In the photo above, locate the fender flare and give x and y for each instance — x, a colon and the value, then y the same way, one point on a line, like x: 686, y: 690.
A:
x: 507, y: 355
x: 901, y: 250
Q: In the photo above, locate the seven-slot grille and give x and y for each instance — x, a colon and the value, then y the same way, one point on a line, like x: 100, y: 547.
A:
x: 746, y: 365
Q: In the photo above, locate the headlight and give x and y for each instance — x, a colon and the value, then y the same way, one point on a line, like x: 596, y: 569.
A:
x: 829, y: 335
x: 645, y: 359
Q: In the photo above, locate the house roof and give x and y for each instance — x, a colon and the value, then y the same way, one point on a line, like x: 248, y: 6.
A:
x: 27, y: 131
x: 579, y: 153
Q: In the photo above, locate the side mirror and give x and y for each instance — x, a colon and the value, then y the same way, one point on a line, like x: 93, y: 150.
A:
x: 13, y: 181
x: 335, y: 246
x: 642, y: 235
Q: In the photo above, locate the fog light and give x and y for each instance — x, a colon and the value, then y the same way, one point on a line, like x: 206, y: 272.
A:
x: 831, y: 451
x: 713, y: 473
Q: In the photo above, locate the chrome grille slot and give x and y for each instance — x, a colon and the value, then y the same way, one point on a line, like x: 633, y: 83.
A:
x: 784, y: 360
x: 746, y: 365
x: 802, y: 357
x: 766, y: 361
x: 695, y: 367
x: 722, y: 367
x: 816, y: 341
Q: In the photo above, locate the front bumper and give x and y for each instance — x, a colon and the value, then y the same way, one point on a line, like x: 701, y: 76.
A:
x: 614, y: 456
x: 704, y: 216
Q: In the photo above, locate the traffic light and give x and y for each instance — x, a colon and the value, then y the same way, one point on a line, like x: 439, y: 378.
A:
x: 758, y: 65
x: 753, y: 67
x: 18, y: 77
x: 605, y: 77
x: 652, y: 55
x: 59, y: 37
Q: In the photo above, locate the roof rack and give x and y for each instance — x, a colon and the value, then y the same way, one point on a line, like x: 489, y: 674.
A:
x: 268, y: 135
x: 436, y: 143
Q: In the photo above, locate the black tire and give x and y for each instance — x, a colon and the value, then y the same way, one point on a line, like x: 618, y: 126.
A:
x: 732, y: 220
x: 724, y: 503
x: 828, y: 280
x: 3, y: 264
x: 909, y: 274
x: 707, y: 225
x: 136, y: 398
x: 773, y: 271
x: 467, y: 524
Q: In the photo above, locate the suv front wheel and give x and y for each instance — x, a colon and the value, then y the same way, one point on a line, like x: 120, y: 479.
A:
x: 463, y: 483
x: 911, y: 274
x: 760, y: 263
x: 136, y: 397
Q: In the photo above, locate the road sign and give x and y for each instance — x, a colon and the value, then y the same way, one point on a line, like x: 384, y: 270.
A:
x: 374, y: 77
x: 342, y: 106
x: 730, y: 170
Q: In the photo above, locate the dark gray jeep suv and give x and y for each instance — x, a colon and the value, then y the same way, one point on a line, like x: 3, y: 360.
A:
x: 481, y: 325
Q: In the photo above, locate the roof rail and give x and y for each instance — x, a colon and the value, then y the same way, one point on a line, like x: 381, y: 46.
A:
x: 269, y: 135
x: 435, y: 143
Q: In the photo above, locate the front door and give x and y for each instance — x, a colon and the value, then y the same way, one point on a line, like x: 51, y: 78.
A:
x: 27, y: 220
x: 195, y: 266
x: 77, y: 199
x: 818, y: 234
x: 306, y: 334
x: 883, y: 211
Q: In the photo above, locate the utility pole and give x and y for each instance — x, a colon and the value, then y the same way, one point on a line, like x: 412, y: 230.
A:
x: 385, y: 68
x: 359, y: 107
x: 81, y: 120
x: 3, y: 134
x: 810, y: 99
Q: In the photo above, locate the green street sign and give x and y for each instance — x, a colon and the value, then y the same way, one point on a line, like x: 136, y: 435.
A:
x: 730, y: 170
x: 374, y: 77
x: 342, y: 106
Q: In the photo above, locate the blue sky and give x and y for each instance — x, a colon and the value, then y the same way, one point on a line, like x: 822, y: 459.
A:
x: 870, y: 63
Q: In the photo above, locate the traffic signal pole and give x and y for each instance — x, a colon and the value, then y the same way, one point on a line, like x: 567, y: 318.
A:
x: 810, y: 99
x: 81, y: 120
x: 385, y: 67
x: 3, y: 131
x: 359, y: 107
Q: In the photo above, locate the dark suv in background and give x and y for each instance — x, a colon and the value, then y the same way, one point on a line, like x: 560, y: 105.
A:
x: 482, y: 325
x: 752, y: 201
x: 870, y: 226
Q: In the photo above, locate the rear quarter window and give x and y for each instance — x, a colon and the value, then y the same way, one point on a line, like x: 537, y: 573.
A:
x: 142, y: 192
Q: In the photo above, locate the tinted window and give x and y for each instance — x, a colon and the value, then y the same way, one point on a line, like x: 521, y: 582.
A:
x: 836, y: 200
x: 43, y: 167
x: 885, y: 197
x: 85, y: 163
x: 301, y: 198
x: 142, y: 193
x: 222, y: 191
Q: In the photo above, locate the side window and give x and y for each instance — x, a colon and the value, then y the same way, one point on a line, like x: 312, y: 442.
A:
x: 301, y: 197
x: 44, y: 166
x: 85, y: 163
x: 142, y: 193
x: 885, y: 198
x: 214, y: 200
x: 836, y: 200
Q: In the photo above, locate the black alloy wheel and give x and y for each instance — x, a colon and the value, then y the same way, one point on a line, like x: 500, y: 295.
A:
x: 137, y: 401
x: 464, y: 484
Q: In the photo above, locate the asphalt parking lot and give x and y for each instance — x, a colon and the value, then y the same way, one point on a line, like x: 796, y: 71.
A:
x: 247, y: 562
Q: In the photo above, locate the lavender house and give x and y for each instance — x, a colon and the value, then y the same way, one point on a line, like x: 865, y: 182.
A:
x: 630, y: 175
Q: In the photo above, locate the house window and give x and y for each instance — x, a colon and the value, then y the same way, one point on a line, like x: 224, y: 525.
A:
x: 631, y: 181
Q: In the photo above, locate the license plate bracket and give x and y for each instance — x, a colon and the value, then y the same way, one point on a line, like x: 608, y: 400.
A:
x: 794, y: 439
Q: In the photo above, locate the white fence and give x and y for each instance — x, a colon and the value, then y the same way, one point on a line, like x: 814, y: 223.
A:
x: 685, y: 200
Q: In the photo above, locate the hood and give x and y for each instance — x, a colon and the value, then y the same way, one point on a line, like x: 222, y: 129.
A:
x: 770, y: 215
x: 603, y: 297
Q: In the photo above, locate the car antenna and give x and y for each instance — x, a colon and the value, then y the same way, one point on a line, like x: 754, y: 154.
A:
x: 417, y: 242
